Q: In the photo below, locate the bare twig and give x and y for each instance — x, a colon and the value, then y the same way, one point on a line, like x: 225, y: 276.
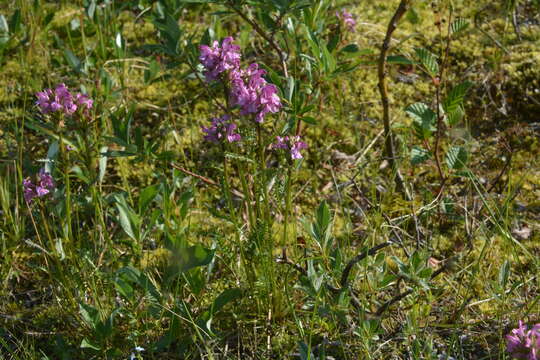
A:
x: 402, y: 295
x: 383, y: 89
x: 357, y: 259
x: 264, y: 35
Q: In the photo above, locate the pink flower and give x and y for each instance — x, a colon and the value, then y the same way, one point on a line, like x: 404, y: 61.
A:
x: 44, y: 185
x: 221, y: 129
x: 217, y: 60
x: 522, y: 343
x: 292, y: 144
x: 253, y: 94
x: 347, y: 19
x: 61, y: 100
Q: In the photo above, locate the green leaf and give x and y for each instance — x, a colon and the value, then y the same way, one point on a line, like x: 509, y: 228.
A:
x: 226, y: 297
x: 399, y: 59
x: 455, y: 116
x: 89, y: 314
x: 351, y: 48
x: 187, y: 258
x: 309, y: 120
x: 504, y: 273
x: 459, y: 25
x: 455, y: 97
x: 147, y: 195
x: 73, y: 60
x: 424, y: 119
x: 86, y: 344
x: 419, y: 155
x: 127, y: 217
x: 323, y: 216
x: 102, y: 163
x: 4, y: 30
x: 428, y: 60
x: 456, y: 157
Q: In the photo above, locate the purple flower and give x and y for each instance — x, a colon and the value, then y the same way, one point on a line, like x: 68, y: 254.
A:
x: 347, y: 19
x: 217, y: 60
x: 28, y: 190
x: 220, y: 129
x: 43, y: 186
x: 292, y: 144
x: 252, y: 93
x: 523, y: 343
x: 61, y: 100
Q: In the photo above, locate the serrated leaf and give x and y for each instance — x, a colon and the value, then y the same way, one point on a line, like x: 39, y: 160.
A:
x: 428, y: 60
x: 424, y: 119
x: 459, y: 25
x: 419, y: 155
x: 455, y: 116
x: 455, y: 97
x: 456, y: 157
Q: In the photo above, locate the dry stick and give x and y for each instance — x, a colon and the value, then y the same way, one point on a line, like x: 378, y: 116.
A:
x: 438, y: 96
x: 503, y: 171
x: 205, y: 179
x: 357, y: 259
x: 399, y: 297
x: 383, y: 89
x: 261, y: 32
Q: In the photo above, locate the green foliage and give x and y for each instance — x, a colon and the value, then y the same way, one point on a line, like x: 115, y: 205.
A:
x: 154, y: 238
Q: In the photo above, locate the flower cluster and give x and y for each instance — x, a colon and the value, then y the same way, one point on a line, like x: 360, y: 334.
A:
x: 43, y: 186
x: 523, y: 343
x: 62, y: 100
x: 347, y: 19
x: 292, y: 144
x: 221, y: 129
x: 248, y: 88
x: 252, y: 93
x: 217, y: 60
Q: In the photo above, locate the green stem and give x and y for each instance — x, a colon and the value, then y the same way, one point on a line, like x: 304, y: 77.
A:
x: 287, y: 209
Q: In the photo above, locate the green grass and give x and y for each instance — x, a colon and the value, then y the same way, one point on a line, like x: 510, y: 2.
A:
x: 130, y: 251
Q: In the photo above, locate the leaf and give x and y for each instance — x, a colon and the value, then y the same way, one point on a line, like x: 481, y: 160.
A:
x: 4, y: 27
x: 424, y: 119
x: 4, y: 30
x: 309, y: 120
x: 323, y: 217
x: 89, y: 314
x: 73, y: 60
x: 147, y: 195
x: 351, y: 48
x: 459, y: 25
x: 412, y: 16
x: 455, y: 97
x: 187, y: 258
x: 127, y: 217
x: 102, y: 163
x: 419, y: 155
x: 85, y: 344
x: 226, y: 297
x: 504, y: 273
x: 428, y: 60
x: 455, y: 116
x: 399, y: 59
x: 52, y: 153
x: 456, y: 157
